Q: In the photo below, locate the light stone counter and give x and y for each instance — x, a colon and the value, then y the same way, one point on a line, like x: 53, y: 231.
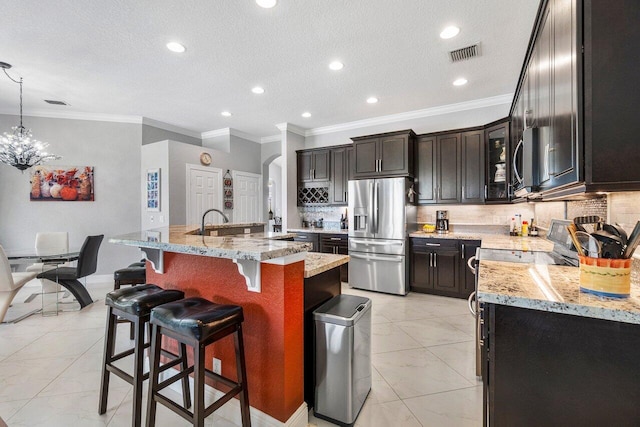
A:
x: 318, y: 230
x: 175, y: 239
x: 552, y: 288
x: 316, y: 263
x: 494, y: 241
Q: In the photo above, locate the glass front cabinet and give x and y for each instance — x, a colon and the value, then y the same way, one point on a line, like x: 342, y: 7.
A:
x: 498, y: 166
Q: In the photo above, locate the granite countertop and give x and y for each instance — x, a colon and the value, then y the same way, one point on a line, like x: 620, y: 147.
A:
x: 175, y: 238
x: 494, y: 241
x: 552, y: 288
x: 316, y: 263
x: 318, y: 230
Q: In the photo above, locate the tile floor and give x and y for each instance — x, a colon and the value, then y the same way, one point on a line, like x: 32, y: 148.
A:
x: 423, y: 367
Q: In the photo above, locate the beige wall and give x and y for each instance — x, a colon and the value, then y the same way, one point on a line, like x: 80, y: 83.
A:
x: 477, y: 214
x: 624, y: 208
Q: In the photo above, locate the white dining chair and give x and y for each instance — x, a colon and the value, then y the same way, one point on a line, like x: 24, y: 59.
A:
x: 48, y: 242
x: 10, y: 283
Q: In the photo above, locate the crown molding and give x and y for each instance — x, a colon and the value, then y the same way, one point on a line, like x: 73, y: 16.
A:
x: 71, y: 115
x: 244, y: 135
x: 291, y: 128
x: 171, y: 128
x: 272, y: 138
x: 416, y: 114
x: 215, y: 133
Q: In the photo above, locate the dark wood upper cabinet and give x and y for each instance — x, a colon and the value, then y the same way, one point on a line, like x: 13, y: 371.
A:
x: 426, y: 175
x: 473, y: 166
x: 390, y: 154
x: 340, y: 170
x: 313, y: 165
x: 576, y: 88
x: 448, y: 185
x: 498, y: 162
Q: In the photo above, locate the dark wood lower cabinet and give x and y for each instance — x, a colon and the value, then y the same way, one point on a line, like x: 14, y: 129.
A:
x: 336, y: 244
x: 435, y: 266
x: 551, y: 369
x: 312, y: 238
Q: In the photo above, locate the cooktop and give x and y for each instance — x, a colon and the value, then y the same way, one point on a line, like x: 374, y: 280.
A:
x: 563, y: 251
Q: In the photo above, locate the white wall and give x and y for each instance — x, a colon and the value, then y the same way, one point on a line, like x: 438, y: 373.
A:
x: 114, y: 151
x: 275, y: 175
x: 290, y: 143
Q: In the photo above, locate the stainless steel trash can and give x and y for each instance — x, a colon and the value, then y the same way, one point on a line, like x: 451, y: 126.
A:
x: 343, y: 358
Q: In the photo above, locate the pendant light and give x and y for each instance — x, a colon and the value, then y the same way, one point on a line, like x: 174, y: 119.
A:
x: 18, y: 148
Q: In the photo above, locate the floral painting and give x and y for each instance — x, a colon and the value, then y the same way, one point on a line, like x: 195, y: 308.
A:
x: 62, y: 183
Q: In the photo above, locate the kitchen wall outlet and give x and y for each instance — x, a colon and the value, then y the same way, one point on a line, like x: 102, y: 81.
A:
x: 217, y: 366
x: 247, y: 230
x: 151, y: 218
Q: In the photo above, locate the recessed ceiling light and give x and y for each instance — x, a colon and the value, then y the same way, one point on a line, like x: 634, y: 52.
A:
x: 226, y: 114
x: 258, y: 90
x: 306, y: 114
x: 336, y: 65
x: 175, y: 47
x: 449, y: 32
x: 460, y: 82
x: 267, y: 4
x: 372, y: 100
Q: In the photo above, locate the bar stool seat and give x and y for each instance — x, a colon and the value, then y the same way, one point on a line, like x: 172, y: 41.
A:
x: 197, y: 317
x: 197, y: 323
x: 134, y: 304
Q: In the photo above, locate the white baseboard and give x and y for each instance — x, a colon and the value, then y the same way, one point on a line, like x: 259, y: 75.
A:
x: 231, y: 409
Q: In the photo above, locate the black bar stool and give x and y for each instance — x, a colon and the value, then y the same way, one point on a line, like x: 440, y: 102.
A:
x: 197, y: 323
x: 134, y: 304
x: 134, y: 274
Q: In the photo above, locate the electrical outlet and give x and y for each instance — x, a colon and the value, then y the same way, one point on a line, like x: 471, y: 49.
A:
x: 247, y: 231
x: 217, y: 366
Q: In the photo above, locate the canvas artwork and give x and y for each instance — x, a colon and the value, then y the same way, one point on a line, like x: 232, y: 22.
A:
x: 153, y: 190
x: 62, y: 183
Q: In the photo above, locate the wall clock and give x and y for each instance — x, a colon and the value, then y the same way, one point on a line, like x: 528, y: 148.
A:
x: 205, y: 159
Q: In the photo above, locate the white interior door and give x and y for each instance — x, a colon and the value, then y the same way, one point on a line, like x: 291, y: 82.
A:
x: 247, y: 197
x: 204, y: 191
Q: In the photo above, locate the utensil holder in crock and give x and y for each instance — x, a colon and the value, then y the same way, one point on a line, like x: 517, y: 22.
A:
x: 605, y: 277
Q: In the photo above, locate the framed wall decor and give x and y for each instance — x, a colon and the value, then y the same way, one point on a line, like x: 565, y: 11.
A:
x: 61, y: 183
x: 153, y: 190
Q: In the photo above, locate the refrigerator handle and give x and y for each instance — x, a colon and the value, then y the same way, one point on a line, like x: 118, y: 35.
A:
x: 376, y: 201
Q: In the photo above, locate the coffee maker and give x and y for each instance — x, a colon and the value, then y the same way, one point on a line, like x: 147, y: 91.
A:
x: 442, y: 222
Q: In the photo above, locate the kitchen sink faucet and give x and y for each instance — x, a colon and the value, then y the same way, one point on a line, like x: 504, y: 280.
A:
x: 224, y: 218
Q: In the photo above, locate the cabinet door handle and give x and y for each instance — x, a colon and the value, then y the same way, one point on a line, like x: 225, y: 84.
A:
x: 432, y: 244
x: 463, y: 192
x: 345, y: 196
x: 430, y: 259
x: 336, y: 238
x: 380, y: 165
x: 462, y: 253
x: 302, y: 237
x: 435, y: 260
x: 486, y: 192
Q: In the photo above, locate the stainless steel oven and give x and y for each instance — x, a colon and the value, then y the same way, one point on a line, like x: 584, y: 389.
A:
x: 563, y: 254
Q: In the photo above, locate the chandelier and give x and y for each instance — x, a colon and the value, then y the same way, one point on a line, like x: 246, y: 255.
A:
x: 18, y: 148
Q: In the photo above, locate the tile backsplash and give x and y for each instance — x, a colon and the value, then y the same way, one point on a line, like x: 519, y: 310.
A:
x: 477, y: 214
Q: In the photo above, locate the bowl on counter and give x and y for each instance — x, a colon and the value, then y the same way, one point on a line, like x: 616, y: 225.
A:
x: 429, y: 228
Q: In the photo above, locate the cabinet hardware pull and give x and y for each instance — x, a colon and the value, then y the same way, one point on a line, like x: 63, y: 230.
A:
x: 380, y: 165
x: 336, y: 238
x: 462, y: 253
x: 486, y: 192
x: 463, y: 192
x: 435, y: 260
x: 432, y: 244
x: 430, y: 259
x: 515, y: 166
x: 302, y: 237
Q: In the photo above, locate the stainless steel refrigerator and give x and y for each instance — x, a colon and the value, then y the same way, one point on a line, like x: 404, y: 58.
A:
x: 380, y: 218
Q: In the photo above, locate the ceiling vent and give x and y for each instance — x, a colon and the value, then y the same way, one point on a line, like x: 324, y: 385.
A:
x: 51, y: 101
x: 465, y: 53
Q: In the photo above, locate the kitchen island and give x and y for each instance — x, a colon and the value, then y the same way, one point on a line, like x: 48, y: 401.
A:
x: 272, y: 294
x: 553, y: 355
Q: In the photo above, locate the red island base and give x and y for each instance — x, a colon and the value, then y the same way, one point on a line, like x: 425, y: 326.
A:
x: 273, y: 324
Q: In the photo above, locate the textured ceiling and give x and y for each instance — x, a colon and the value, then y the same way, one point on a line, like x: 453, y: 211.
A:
x: 109, y: 57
